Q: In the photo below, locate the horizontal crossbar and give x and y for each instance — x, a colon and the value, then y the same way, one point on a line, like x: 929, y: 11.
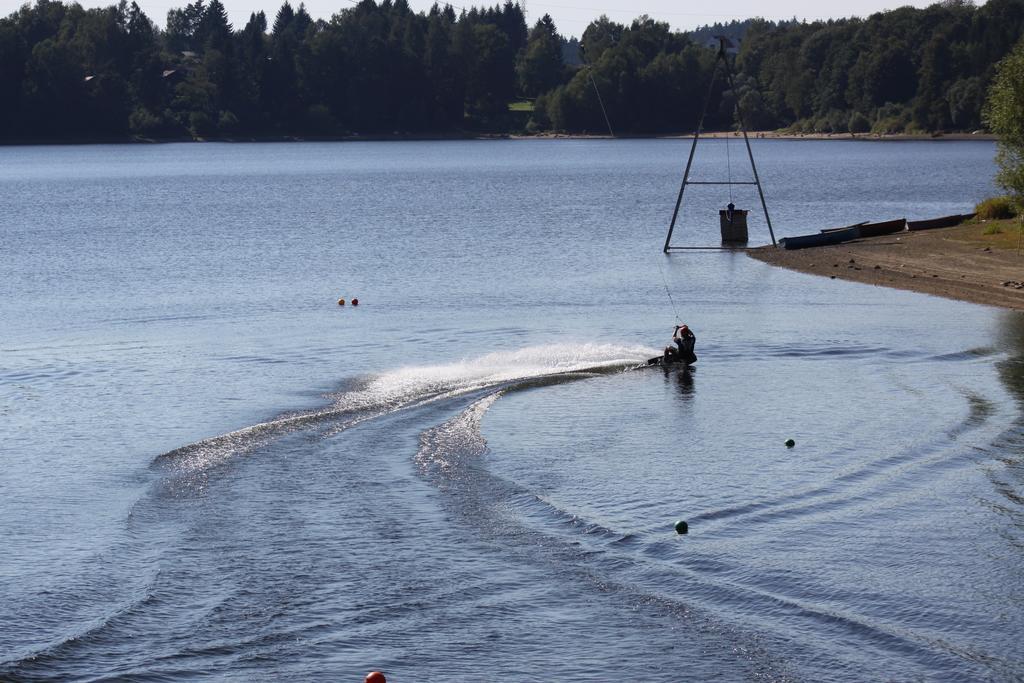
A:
x: 721, y: 182
x: 709, y: 248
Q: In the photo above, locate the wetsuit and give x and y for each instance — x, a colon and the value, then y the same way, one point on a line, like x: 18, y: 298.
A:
x: 685, y: 340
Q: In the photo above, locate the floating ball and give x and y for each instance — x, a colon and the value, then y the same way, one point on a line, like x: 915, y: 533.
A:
x: 341, y: 302
x: 355, y: 302
x: 375, y: 677
x: 790, y: 443
x: 682, y: 528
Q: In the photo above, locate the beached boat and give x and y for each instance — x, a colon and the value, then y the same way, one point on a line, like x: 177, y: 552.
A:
x: 883, y: 228
x: 845, y: 227
x: 874, y: 229
x: 944, y: 222
x: 822, y: 239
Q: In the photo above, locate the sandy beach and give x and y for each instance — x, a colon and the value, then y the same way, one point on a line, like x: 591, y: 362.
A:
x: 960, y: 263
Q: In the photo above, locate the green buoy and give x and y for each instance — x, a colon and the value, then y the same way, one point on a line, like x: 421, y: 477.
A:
x: 790, y: 443
x: 682, y: 527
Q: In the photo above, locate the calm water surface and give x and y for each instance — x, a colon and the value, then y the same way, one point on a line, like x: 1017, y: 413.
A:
x: 210, y: 471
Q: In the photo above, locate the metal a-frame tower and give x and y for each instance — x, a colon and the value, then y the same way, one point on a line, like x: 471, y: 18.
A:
x: 721, y: 59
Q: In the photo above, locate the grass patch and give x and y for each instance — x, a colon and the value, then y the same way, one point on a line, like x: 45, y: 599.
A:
x: 522, y: 105
x: 1004, y: 234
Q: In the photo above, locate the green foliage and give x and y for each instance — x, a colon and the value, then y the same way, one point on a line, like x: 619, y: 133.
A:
x: 859, y: 123
x: 921, y: 69
x: 318, y: 121
x: 1004, y: 113
x: 540, y: 119
x: 377, y: 67
x: 490, y: 79
x: 144, y: 123
x: 996, y: 208
x: 227, y: 123
x: 66, y: 72
x: 540, y: 67
x: 890, y: 119
x: 649, y: 78
x: 904, y: 71
x: 598, y: 37
x: 835, y: 121
x: 966, y: 98
x: 200, y: 124
x: 992, y: 230
x: 213, y: 30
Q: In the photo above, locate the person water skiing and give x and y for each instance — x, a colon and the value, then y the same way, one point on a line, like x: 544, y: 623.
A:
x: 685, y: 339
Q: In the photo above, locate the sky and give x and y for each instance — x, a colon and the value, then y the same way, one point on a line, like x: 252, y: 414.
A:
x: 571, y: 16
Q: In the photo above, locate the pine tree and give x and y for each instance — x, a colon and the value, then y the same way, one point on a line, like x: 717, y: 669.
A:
x: 540, y: 66
x: 214, y: 29
x: 283, y: 20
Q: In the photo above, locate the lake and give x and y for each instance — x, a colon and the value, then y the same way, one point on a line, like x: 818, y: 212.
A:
x: 212, y: 471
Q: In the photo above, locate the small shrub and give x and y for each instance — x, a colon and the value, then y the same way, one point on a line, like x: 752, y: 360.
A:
x: 319, y: 121
x: 887, y: 126
x: 227, y: 123
x: 996, y: 208
x: 859, y: 123
x: 200, y: 123
x: 890, y: 118
x: 540, y: 113
x: 993, y: 230
x: 144, y: 122
x: 800, y: 126
x: 175, y: 122
x: 837, y: 121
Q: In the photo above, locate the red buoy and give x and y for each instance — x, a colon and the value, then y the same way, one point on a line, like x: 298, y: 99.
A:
x: 355, y: 302
x: 375, y: 677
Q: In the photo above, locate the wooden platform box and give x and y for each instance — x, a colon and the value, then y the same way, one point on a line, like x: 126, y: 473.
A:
x: 734, y: 230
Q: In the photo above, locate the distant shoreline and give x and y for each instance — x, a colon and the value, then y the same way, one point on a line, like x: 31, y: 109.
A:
x: 774, y: 135
x: 429, y: 137
x: 962, y: 263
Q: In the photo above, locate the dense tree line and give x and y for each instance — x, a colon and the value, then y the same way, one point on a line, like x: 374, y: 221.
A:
x: 907, y: 70
x: 904, y: 70
x: 378, y: 67
x: 67, y: 72
x: 649, y: 79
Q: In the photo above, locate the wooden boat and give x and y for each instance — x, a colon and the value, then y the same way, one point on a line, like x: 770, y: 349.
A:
x: 822, y: 239
x: 883, y: 228
x: 868, y: 229
x: 944, y: 222
x: 845, y: 227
